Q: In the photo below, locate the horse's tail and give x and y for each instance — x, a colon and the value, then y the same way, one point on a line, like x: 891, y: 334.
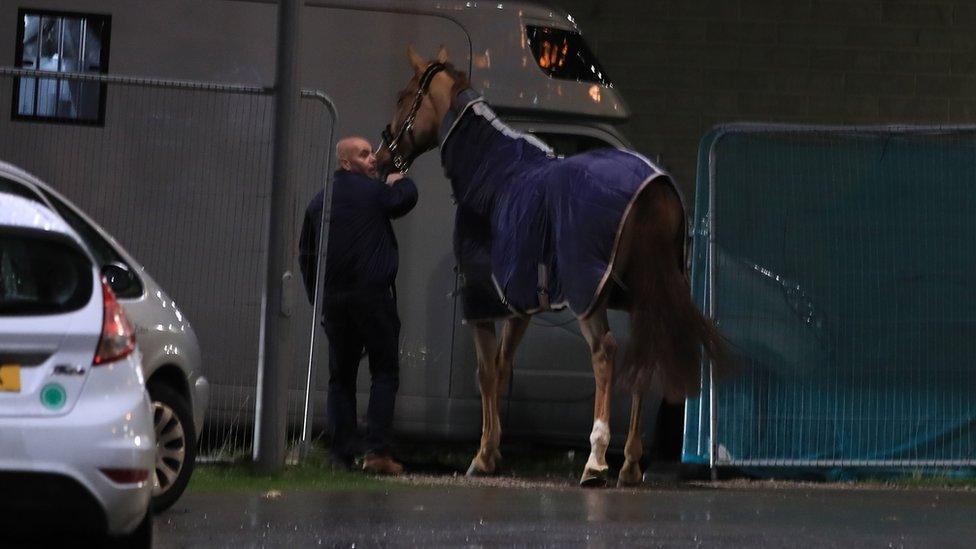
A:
x: 667, y: 331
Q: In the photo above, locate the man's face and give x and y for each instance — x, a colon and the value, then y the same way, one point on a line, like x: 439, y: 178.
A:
x: 359, y: 158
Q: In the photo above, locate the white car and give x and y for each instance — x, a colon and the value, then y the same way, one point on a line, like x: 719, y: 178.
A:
x: 171, y: 353
x: 77, y: 444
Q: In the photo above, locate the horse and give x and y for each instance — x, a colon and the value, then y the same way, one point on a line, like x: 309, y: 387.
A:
x: 512, y: 266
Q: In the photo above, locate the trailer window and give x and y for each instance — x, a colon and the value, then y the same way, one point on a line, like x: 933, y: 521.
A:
x: 564, y: 54
x: 61, y: 42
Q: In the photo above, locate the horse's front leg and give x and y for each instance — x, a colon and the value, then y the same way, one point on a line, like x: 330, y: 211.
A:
x: 512, y: 332
x: 486, y: 347
x: 603, y: 348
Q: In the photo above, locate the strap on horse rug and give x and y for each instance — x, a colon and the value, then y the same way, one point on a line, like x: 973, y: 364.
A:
x: 533, y: 232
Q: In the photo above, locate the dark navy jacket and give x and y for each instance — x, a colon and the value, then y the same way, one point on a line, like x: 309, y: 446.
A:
x: 362, y: 251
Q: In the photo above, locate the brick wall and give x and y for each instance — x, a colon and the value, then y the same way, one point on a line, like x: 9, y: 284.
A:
x: 686, y: 65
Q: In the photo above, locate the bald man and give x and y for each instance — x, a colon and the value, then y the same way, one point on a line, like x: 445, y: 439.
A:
x: 359, y: 306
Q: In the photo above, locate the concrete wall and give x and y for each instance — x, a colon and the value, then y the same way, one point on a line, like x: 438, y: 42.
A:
x: 685, y: 65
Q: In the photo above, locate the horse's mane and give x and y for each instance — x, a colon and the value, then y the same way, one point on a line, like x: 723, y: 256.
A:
x: 461, y: 81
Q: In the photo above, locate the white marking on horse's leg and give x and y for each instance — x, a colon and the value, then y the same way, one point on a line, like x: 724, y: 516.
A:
x: 599, y: 440
x: 603, y: 348
x: 630, y: 473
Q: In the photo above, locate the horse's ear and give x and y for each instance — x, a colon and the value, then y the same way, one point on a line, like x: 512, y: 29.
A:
x: 418, y: 63
x: 442, y: 54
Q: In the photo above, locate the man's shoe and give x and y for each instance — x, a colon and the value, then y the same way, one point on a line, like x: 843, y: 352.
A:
x: 381, y: 465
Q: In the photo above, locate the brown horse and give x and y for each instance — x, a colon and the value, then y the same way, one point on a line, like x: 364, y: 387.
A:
x: 648, y: 279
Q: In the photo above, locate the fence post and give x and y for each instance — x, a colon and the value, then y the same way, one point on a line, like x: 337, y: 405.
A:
x: 278, y: 342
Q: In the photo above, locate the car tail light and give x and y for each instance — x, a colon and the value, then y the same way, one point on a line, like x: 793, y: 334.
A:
x: 126, y: 476
x: 118, y: 339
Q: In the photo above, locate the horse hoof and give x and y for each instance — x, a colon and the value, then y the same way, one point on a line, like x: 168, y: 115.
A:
x: 475, y: 471
x: 629, y: 477
x: 628, y: 483
x: 594, y: 479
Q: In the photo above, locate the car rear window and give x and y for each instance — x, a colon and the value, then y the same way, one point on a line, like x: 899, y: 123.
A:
x: 41, y: 274
x: 18, y: 189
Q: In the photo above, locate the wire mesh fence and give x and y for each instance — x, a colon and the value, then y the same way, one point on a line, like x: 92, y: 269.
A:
x: 180, y: 174
x: 839, y: 261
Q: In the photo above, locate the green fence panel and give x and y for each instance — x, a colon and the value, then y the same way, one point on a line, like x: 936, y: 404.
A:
x: 841, y: 264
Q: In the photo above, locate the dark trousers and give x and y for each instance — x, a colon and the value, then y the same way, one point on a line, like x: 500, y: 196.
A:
x: 353, y: 321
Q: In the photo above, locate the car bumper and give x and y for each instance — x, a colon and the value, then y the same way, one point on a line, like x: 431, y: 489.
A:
x: 105, y: 430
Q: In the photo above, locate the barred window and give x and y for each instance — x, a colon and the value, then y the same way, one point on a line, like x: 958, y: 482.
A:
x: 61, y: 42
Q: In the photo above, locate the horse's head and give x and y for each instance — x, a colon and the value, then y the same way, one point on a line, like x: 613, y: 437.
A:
x: 419, y: 109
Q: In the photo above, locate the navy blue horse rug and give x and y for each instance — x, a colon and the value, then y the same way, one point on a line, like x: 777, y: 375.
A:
x: 533, y: 232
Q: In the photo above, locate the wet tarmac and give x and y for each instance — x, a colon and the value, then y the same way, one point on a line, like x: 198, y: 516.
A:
x: 679, y: 515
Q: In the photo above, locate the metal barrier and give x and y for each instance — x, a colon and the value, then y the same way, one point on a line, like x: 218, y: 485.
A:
x: 839, y: 262
x: 180, y: 174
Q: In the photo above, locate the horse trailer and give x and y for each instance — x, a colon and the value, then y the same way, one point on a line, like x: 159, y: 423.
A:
x: 174, y: 162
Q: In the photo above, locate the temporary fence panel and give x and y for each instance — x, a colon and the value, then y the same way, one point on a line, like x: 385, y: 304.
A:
x: 180, y: 174
x: 840, y: 264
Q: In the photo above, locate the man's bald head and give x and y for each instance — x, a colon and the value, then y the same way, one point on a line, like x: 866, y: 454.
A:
x: 356, y: 155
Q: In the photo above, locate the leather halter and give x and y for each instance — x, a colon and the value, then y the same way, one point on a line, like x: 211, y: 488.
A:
x: 392, y: 142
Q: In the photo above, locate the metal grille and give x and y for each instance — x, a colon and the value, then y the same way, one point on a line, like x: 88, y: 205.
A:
x: 180, y: 175
x: 839, y: 261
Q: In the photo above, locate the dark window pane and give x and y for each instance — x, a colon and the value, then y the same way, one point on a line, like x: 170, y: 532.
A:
x: 66, y: 106
x: 28, y: 58
x: 50, y: 43
x: 39, y: 275
x: 47, y: 92
x: 89, y: 102
x: 94, y: 36
x: 71, y: 45
x: 564, y: 54
x: 70, y: 62
x: 25, y: 105
x: 47, y: 96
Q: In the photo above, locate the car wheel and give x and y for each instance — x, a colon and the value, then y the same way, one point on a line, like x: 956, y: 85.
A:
x: 175, y: 445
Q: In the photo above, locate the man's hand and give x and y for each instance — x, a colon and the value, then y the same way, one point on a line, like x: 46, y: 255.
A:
x: 393, y: 178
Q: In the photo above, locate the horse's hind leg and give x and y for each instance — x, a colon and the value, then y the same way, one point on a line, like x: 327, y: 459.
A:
x: 603, y: 347
x: 487, y: 347
x: 630, y: 473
